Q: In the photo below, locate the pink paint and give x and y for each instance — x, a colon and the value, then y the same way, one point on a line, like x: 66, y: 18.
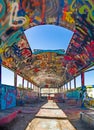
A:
x: 8, y: 118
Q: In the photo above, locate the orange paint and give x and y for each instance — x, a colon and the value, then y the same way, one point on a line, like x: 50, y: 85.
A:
x: 64, y: 15
x: 36, y: 4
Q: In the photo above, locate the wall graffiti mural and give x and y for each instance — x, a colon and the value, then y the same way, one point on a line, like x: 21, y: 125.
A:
x: 7, y: 96
x: 81, y: 45
x: 84, y: 94
x: 26, y: 96
x: 51, y: 68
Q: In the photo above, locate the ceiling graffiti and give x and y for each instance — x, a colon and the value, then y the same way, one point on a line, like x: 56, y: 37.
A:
x: 50, y: 68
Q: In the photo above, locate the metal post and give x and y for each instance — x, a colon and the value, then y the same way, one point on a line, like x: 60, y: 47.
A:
x: 67, y: 86
x: 23, y: 82
x: 64, y: 87
x: 58, y: 89
x: 27, y: 84
x: 15, y: 79
x: 83, y: 89
x: 70, y: 85
x: 31, y: 85
x: 74, y: 82
x: 82, y: 79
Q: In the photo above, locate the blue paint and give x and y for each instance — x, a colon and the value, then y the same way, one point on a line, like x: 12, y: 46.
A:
x: 39, y: 51
x: 21, y: 3
x: 0, y: 72
x: 73, y: 94
x: 61, y: 3
x: 60, y: 11
x: 15, y: 37
x: 7, y: 96
x: 21, y: 13
x: 79, y: 2
x: 70, y: 2
x: 0, y: 60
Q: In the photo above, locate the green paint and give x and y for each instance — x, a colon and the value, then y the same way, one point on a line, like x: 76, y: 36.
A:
x: 2, y: 13
x: 90, y: 16
x: 72, y: 6
x: 15, y: 37
x: 3, y: 29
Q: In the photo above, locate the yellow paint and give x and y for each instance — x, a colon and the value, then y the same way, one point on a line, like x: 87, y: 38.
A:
x: 81, y: 30
x: 51, y: 20
x: 91, y: 102
x: 27, y: 21
x: 90, y: 15
x: 1, y: 50
x: 38, y: 18
x: 67, y: 17
x: 71, y: 6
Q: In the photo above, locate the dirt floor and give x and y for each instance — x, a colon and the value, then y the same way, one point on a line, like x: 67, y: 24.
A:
x: 21, y: 121
x: 73, y: 113
x: 28, y: 113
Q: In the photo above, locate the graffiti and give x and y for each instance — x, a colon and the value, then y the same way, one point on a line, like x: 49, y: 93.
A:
x: 13, y: 57
x: 74, y: 94
x: 43, y: 10
x: 30, y: 5
x: 51, y: 10
x: 8, y: 96
x: 67, y: 17
x: 16, y: 21
x: 39, y: 51
x: 2, y: 8
x: 73, y: 6
x: 88, y: 10
x: 26, y: 96
x: 51, y: 20
x: 12, y: 51
x: 84, y: 93
x: 17, y: 16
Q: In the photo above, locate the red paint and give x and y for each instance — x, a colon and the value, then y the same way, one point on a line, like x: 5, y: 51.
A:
x: 46, y: 86
x: 36, y: 70
x: 69, y: 58
x: 43, y: 10
x: 8, y: 118
x: 82, y: 79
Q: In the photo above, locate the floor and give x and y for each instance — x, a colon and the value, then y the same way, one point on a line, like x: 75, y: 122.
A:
x: 49, y: 116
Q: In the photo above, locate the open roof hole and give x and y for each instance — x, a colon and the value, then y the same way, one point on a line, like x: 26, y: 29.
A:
x: 48, y: 37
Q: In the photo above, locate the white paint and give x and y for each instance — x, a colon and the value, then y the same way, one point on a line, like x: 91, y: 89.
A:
x: 13, y: 16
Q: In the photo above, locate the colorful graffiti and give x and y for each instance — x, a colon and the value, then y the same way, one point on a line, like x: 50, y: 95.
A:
x: 47, y: 67
x: 7, y: 96
x: 26, y: 96
x: 85, y: 94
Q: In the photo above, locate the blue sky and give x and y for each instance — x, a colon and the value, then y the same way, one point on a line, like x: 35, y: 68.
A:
x: 47, y: 37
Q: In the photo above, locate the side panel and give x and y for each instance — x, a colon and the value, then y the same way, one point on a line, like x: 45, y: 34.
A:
x: 8, y: 96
